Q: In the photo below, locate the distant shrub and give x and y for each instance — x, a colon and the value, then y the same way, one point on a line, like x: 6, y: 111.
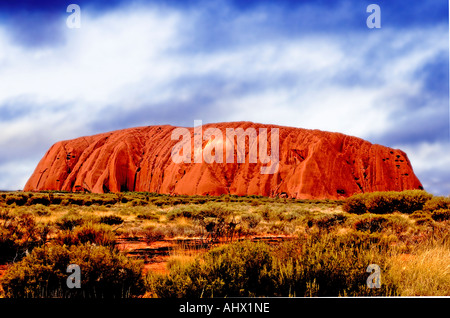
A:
x: 43, y: 199
x: 87, y: 202
x: 425, y: 221
x: 251, y: 219
x: 329, y: 221
x: 199, y: 213
x: 104, y: 274
x: 437, y: 203
x: 160, y: 201
x: 153, y: 234
x: 441, y: 215
x: 420, y: 214
x: 40, y: 210
x: 76, y: 201
x: 19, y: 199
x: 138, y: 202
x: 99, y: 234
x: 370, y: 223
x: 187, y: 211
x: 65, y: 202
x: 268, y: 212
x: 111, y: 219
x: 104, y: 200
x: 387, y: 202
x: 69, y: 221
x: 289, y: 216
x: 147, y: 215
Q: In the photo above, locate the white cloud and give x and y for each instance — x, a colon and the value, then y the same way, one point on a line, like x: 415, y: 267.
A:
x: 431, y: 162
x: 130, y: 58
x: 97, y: 60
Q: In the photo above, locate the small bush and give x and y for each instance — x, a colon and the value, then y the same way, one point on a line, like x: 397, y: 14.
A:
x: 441, y: 215
x: 355, y: 204
x: 425, y: 221
x: 188, y: 211
x: 370, y: 223
x: 329, y: 221
x: 104, y: 274
x: 268, y: 213
x: 138, y: 202
x: 69, y: 221
x: 160, y: 202
x: 88, y: 233
x: 111, y: 220
x: 18, y: 199
x: 147, y: 216
x: 40, y: 210
x: 252, y: 220
x: 153, y: 234
x: 19, y: 234
x: 387, y: 202
x: 420, y: 214
x: 39, y: 199
x: 437, y: 203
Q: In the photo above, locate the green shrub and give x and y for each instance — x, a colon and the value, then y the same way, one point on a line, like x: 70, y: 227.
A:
x: 19, y: 199
x: 370, y: 223
x: 330, y: 221
x: 160, y: 202
x: 19, y: 234
x: 138, y: 202
x: 104, y: 274
x: 69, y: 221
x: 153, y: 234
x: 180, y: 211
x: 332, y: 265
x: 387, y: 202
x: 437, y: 203
x: 289, y: 216
x: 40, y: 210
x: 425, y: 221
x: 147, y: 215
x: 240, y: 269
x: 320, y: 266
x: 420, y: 214
x: 268, y: 212
x: 355, y: 204
x: 441, y: 215
x: 251, y: 219
x: 99, y: 234
x: 39, y: 199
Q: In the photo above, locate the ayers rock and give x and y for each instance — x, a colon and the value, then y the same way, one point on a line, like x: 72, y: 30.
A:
x: 313, y: 164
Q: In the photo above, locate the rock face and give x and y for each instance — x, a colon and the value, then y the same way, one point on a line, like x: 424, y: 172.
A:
x: 313, y: 164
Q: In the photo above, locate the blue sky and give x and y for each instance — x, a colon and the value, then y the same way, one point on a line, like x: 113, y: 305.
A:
x: 304, y: 63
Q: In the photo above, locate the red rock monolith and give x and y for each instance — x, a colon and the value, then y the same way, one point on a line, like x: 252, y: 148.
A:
x: 313, y: 164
